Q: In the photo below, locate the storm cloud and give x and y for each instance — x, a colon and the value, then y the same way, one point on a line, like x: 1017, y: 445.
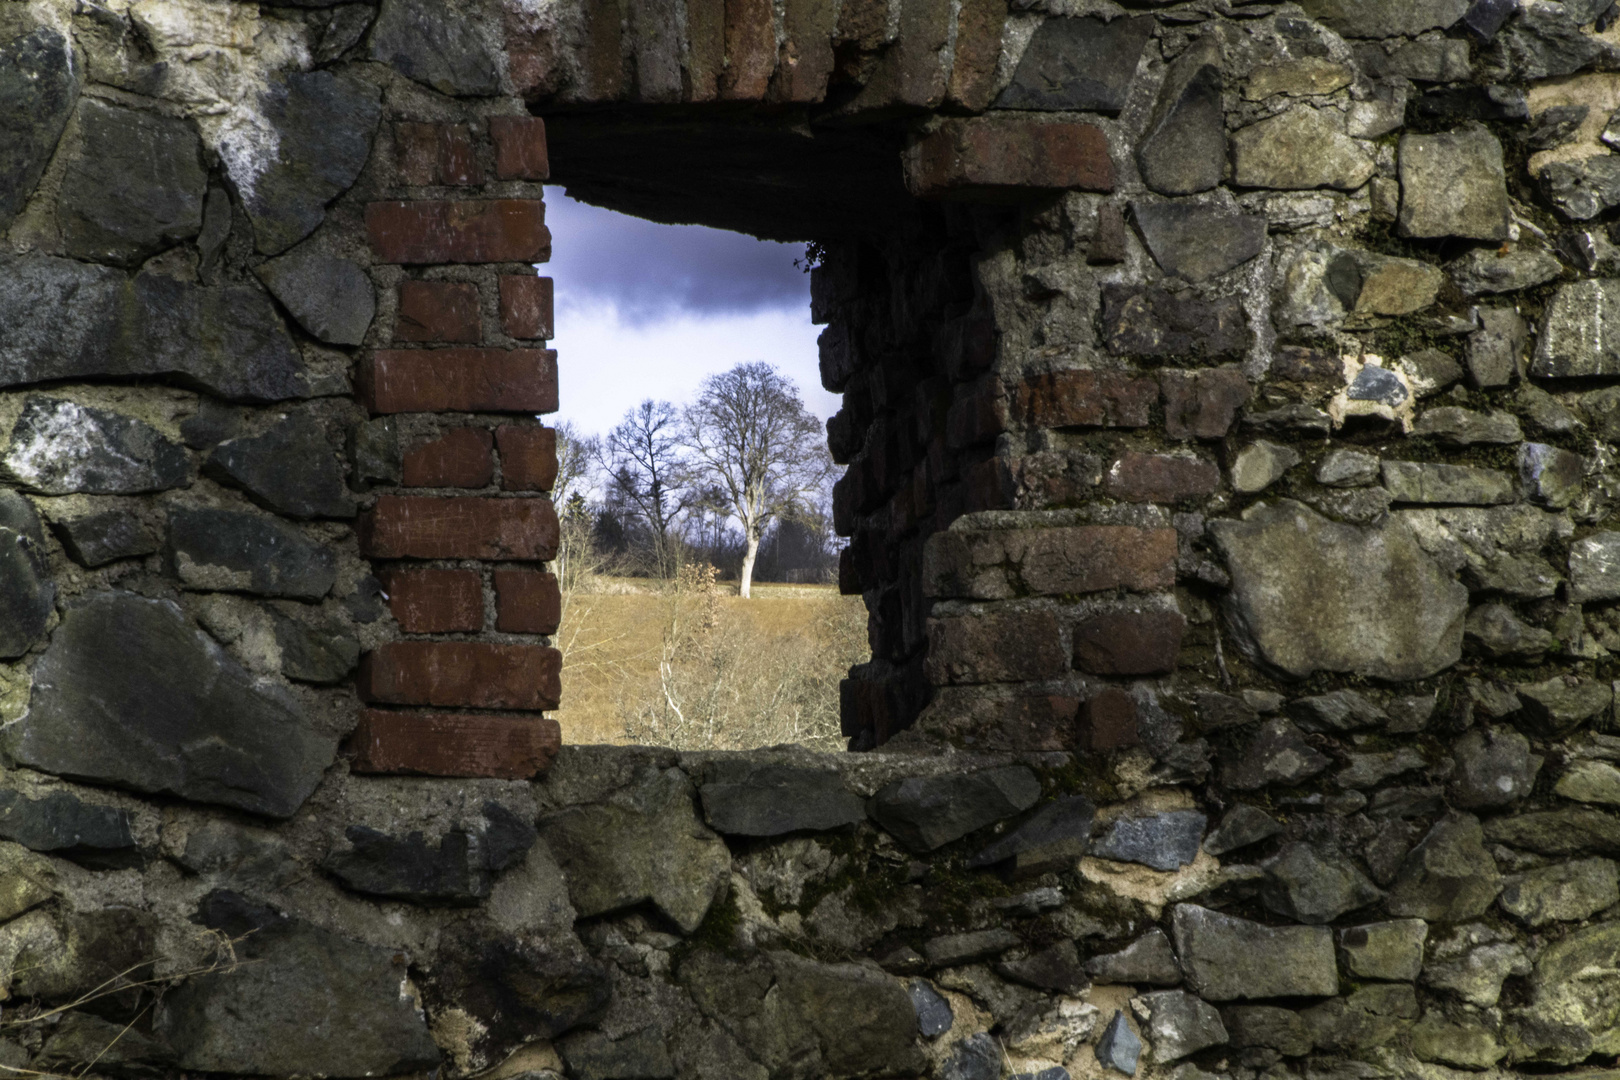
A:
x: 651, y: 272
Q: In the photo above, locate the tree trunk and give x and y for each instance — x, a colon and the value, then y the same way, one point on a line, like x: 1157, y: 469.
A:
x: 745, y: 589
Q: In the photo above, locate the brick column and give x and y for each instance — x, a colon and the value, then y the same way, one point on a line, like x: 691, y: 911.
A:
x: 461, y: 541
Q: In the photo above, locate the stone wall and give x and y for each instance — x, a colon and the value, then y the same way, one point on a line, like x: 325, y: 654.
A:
x: 1228, y: 407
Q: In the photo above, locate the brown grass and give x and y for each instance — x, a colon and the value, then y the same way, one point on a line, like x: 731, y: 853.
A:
x: 690, y: 664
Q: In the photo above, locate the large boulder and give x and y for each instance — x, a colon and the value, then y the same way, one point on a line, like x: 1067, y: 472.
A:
x: 1576, y: 984
x: 70, y: 320
x: 60, y: 447
x: 1449, y: 876
x: 38, y: 90
x: 131, y: 693
x: 1227, y: 958
x: 1310, y: 594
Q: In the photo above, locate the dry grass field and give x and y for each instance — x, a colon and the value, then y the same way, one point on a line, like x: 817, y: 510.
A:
x: 691, y: 665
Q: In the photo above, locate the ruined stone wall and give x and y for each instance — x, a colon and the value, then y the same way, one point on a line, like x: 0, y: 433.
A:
x: 1227, y: 407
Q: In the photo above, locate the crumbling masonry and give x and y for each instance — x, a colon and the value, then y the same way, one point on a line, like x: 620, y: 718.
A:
x: 1231, y: 394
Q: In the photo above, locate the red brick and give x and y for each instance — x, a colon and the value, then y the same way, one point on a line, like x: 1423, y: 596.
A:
x: 1084, y: 399
x: 431, y: 601
x: 437, y: 311
x: 454, y: 744
x: 1162, y: 478
x: 527, y: 602
x: 1129, y: 642
x: 466, y: 674
x: 528, y: 457
x: 461, y: 380
x: 1202, y: 404
x: 460, y: 527
x: 750, y: 50
x: 1002, y: 156
x: 520, y: 148
x: 1108, y: 721
x: 1012, y: 646
x: 470, y: 231
x: 460, y: 459
x: 527, y: 306
x: 435, y: 154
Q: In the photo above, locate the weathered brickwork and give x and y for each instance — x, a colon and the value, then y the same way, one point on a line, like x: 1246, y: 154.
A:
x: 1229, y: 408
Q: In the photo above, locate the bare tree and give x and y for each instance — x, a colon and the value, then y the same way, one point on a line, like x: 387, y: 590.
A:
x: 760, y: 448
x: 576, y: 462
x: 648, y: 475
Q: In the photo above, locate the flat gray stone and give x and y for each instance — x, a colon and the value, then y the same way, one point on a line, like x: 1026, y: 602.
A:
x: 928, y: 812
x: 237, y: 551
x: 1183, y: 150
x: 1297, y: 150
x: 1494, y: 768
x: 1453, y: 184
x: 1243, y: 825
x: 1448, y: 877
x: 308, y: 1002
x: 1385, y: 18
x: 743, y: 798
x: 1450, y: 425
x: 590, y: 1055
x: 1268, y: 1027
x: 977, y: 1057
x: 1443, y: 60
x: 1309, y: 594
x: 320, y: 651
x: 1590, y: 781
x: 292, y: 469
x: 1500, y: 633
x: 70, y: 320
x: 1574, y: 830
x: 131, y: 693
x: 96, y: 539
x: 134, y: 184
x: 27, y: 595
x: 1056, y: 970
x: 934, y: 1015
x: 60, y: 823
x: 1275, y: 754
x: 1384, y: 950
x: 1347, y: 468
x: 1228, y: 959
x: 644, y: 843
x: 1496, y: 351
x: 1051, y: 841
x: 324, y: 125
x: 60, y: 447
x: 1491, y: 270
x: 1594, y: 567
x: 1581, y: 190
x: 1544, y: 42
x: 1119, y: 1048
x: 1198, y: 240
x: 1180, y: 1024
x: 1580, y: 335
x: 1149, y: 961
x: 437, y: 44
x: 1078, y: 65
x: 1429, y: 484
x: 332, y: 298
x: 38, y: 90
x: 1307, y: 885
x: 1167, y: 840
x: 955, y: 950
x: 1556, y: 706
x: 1261, y: 464
x: 1563, y: 892
x: 1336, y: 710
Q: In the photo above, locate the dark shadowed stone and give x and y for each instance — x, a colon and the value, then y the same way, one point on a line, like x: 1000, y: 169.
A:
x: 438, y: 44
x: 1140, y: 320
x: 309, y: 1002
x: 1052, y: 840
x: 1545, y: 41
x: 977, y: 1057
x: 95, y: 950
x: 291, y: 469
x: 1582, y: 190
x: 1180, y: 1024
x: 1557, y: 706
x: 1056, y: 969
x: 98, y: 539
x: 1570, y: 831
x: 1385, y: 18
x: 67, y: 320
x: 212, y: 423
x: 1490, y: 270
x: 27, y: 595
x: 134, y: 184
x: 1078, y: 65
x: 1149, y: 961
x: 1227, y: 958
x: 62, y: 824
x: 934, y: 1016
x: 926, y: 812
x: 801, y: 1019
x: 81, y: 1042
x: 38, y: 90
x: 744, y: 798
x: 131, y: 693
x: 522, y: 989
x: 1337, y: 710
x: 1165, y: 841
x: 1243, y: 825
x: 323, y: 653
x: 1199, y: 239
x: 456, y: 871
x: 331, y: 298
x: 1184, y: 149
x: 1493, y: 768
x: 1449, y: 876
x: 643, y: 843
x: 1310, y: 594
x: 1275, y: 754
x: 1485, y: 17
x: 247, y: 856
x: 954, y: 950
x: 1267, y: 1026
x: 324, y: 124
x: 1307, y: 886
x: 640, y: 1055
x: 1119, y: 1048
x: 237, y: 551
x: 63, y: 448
